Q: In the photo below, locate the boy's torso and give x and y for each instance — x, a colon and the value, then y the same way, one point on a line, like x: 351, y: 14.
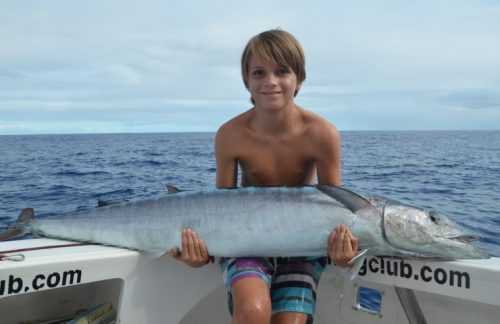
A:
x: 284, y: 158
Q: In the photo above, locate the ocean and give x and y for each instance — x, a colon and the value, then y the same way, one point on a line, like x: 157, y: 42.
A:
x: 456, y: 173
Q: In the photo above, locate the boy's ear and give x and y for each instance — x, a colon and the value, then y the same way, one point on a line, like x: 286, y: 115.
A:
x: 297, y: 90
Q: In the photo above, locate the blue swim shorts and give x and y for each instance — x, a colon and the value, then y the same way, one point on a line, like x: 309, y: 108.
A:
x: 292, y: 281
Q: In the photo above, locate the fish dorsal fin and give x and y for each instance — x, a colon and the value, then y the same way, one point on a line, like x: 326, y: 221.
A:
x: 351, y: 200
x: 172, y: 189
x: 26, y: 215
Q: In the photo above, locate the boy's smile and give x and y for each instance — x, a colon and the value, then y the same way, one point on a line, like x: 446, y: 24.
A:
x: 271, y: 93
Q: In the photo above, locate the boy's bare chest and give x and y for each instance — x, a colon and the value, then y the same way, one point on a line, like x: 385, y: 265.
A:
x: 276, y: 165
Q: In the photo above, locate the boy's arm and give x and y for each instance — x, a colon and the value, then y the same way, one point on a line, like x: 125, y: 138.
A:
x: 194, y: 251
x: 342, y: 244
x: 328, y: 159
x: 226, y: 163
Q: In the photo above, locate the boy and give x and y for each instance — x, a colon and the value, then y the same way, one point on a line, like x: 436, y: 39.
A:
x: 274, y: 143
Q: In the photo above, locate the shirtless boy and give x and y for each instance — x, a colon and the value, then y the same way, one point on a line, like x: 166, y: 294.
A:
x: 274, y: 143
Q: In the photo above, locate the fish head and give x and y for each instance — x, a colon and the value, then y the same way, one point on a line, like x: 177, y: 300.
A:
x: 427, y: 233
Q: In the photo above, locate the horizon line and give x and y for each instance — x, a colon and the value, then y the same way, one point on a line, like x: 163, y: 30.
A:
x: 213, y: 132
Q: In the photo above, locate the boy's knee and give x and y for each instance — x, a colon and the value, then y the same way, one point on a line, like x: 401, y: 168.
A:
x: 252, y: 311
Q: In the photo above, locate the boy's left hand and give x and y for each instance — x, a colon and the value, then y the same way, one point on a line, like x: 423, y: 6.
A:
x: 342, y: 246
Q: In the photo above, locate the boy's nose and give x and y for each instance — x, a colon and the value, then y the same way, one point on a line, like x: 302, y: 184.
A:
x: 271, y: 78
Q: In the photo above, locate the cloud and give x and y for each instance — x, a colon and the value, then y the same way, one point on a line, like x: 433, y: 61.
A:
x: 127, y: 62
x: 474, y: 99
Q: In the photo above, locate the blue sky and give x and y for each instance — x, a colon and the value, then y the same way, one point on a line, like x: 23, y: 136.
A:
x: 168, y: 66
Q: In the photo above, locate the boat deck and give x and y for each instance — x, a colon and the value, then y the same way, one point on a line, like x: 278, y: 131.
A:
x: 57, y: 278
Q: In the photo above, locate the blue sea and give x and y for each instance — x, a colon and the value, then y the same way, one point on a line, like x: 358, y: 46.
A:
x: 455, y: 173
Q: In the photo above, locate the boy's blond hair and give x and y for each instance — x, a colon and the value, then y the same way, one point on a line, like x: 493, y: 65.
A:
x: 276, y: 47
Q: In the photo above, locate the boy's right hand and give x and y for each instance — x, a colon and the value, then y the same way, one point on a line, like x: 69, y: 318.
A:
x: 194, y: 251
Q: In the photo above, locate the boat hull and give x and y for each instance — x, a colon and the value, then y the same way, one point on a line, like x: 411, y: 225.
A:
x: 58, y: 281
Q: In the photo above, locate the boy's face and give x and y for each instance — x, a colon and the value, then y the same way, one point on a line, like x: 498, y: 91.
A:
x: 271, y: 86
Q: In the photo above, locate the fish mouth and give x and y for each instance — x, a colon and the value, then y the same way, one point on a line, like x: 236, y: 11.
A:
x: 465, y: 238
x: 459, y: 248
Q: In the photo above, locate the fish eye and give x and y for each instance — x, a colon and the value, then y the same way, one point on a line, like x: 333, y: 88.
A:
x: 434, y: 217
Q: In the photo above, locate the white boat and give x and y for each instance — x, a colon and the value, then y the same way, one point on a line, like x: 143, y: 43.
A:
x: 46, y: 279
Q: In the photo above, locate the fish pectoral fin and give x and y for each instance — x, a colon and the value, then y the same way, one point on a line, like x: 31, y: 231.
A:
x: 361, y: 254
x: 349, y: 199
x: 356, y: 262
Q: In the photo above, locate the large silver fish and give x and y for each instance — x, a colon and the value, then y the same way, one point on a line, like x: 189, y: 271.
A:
x: 264, y: 221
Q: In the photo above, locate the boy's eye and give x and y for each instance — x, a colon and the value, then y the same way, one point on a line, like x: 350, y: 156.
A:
x: 257, y: 72
x: 282, y: 71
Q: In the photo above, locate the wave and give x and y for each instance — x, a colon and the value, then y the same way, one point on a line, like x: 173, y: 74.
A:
x: 74, y: 173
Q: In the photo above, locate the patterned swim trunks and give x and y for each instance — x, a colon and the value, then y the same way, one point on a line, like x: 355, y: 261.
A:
x: 293, y: 281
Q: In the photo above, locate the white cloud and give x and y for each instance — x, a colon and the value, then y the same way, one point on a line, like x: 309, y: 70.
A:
x: 137, y: 62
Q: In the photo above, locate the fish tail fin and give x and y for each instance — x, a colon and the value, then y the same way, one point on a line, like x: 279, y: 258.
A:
x: 11, y: 233
x: 16, y: 230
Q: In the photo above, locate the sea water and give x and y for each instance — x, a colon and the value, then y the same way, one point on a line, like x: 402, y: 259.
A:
x: 455, y: 173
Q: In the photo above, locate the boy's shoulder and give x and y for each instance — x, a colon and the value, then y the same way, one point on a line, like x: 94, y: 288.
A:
x: 232, y: 132
x: 235, y: 125
x: 314, y: 127
x: 318, y: 126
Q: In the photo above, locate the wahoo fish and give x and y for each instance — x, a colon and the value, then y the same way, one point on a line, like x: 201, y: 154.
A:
x: 262, y: 221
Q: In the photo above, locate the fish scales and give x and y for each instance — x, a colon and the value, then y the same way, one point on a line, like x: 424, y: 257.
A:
x: 272, y: 221
x: 261, y: 221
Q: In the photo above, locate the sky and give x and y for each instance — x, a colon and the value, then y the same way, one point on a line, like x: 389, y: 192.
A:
x: 120, y: 66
